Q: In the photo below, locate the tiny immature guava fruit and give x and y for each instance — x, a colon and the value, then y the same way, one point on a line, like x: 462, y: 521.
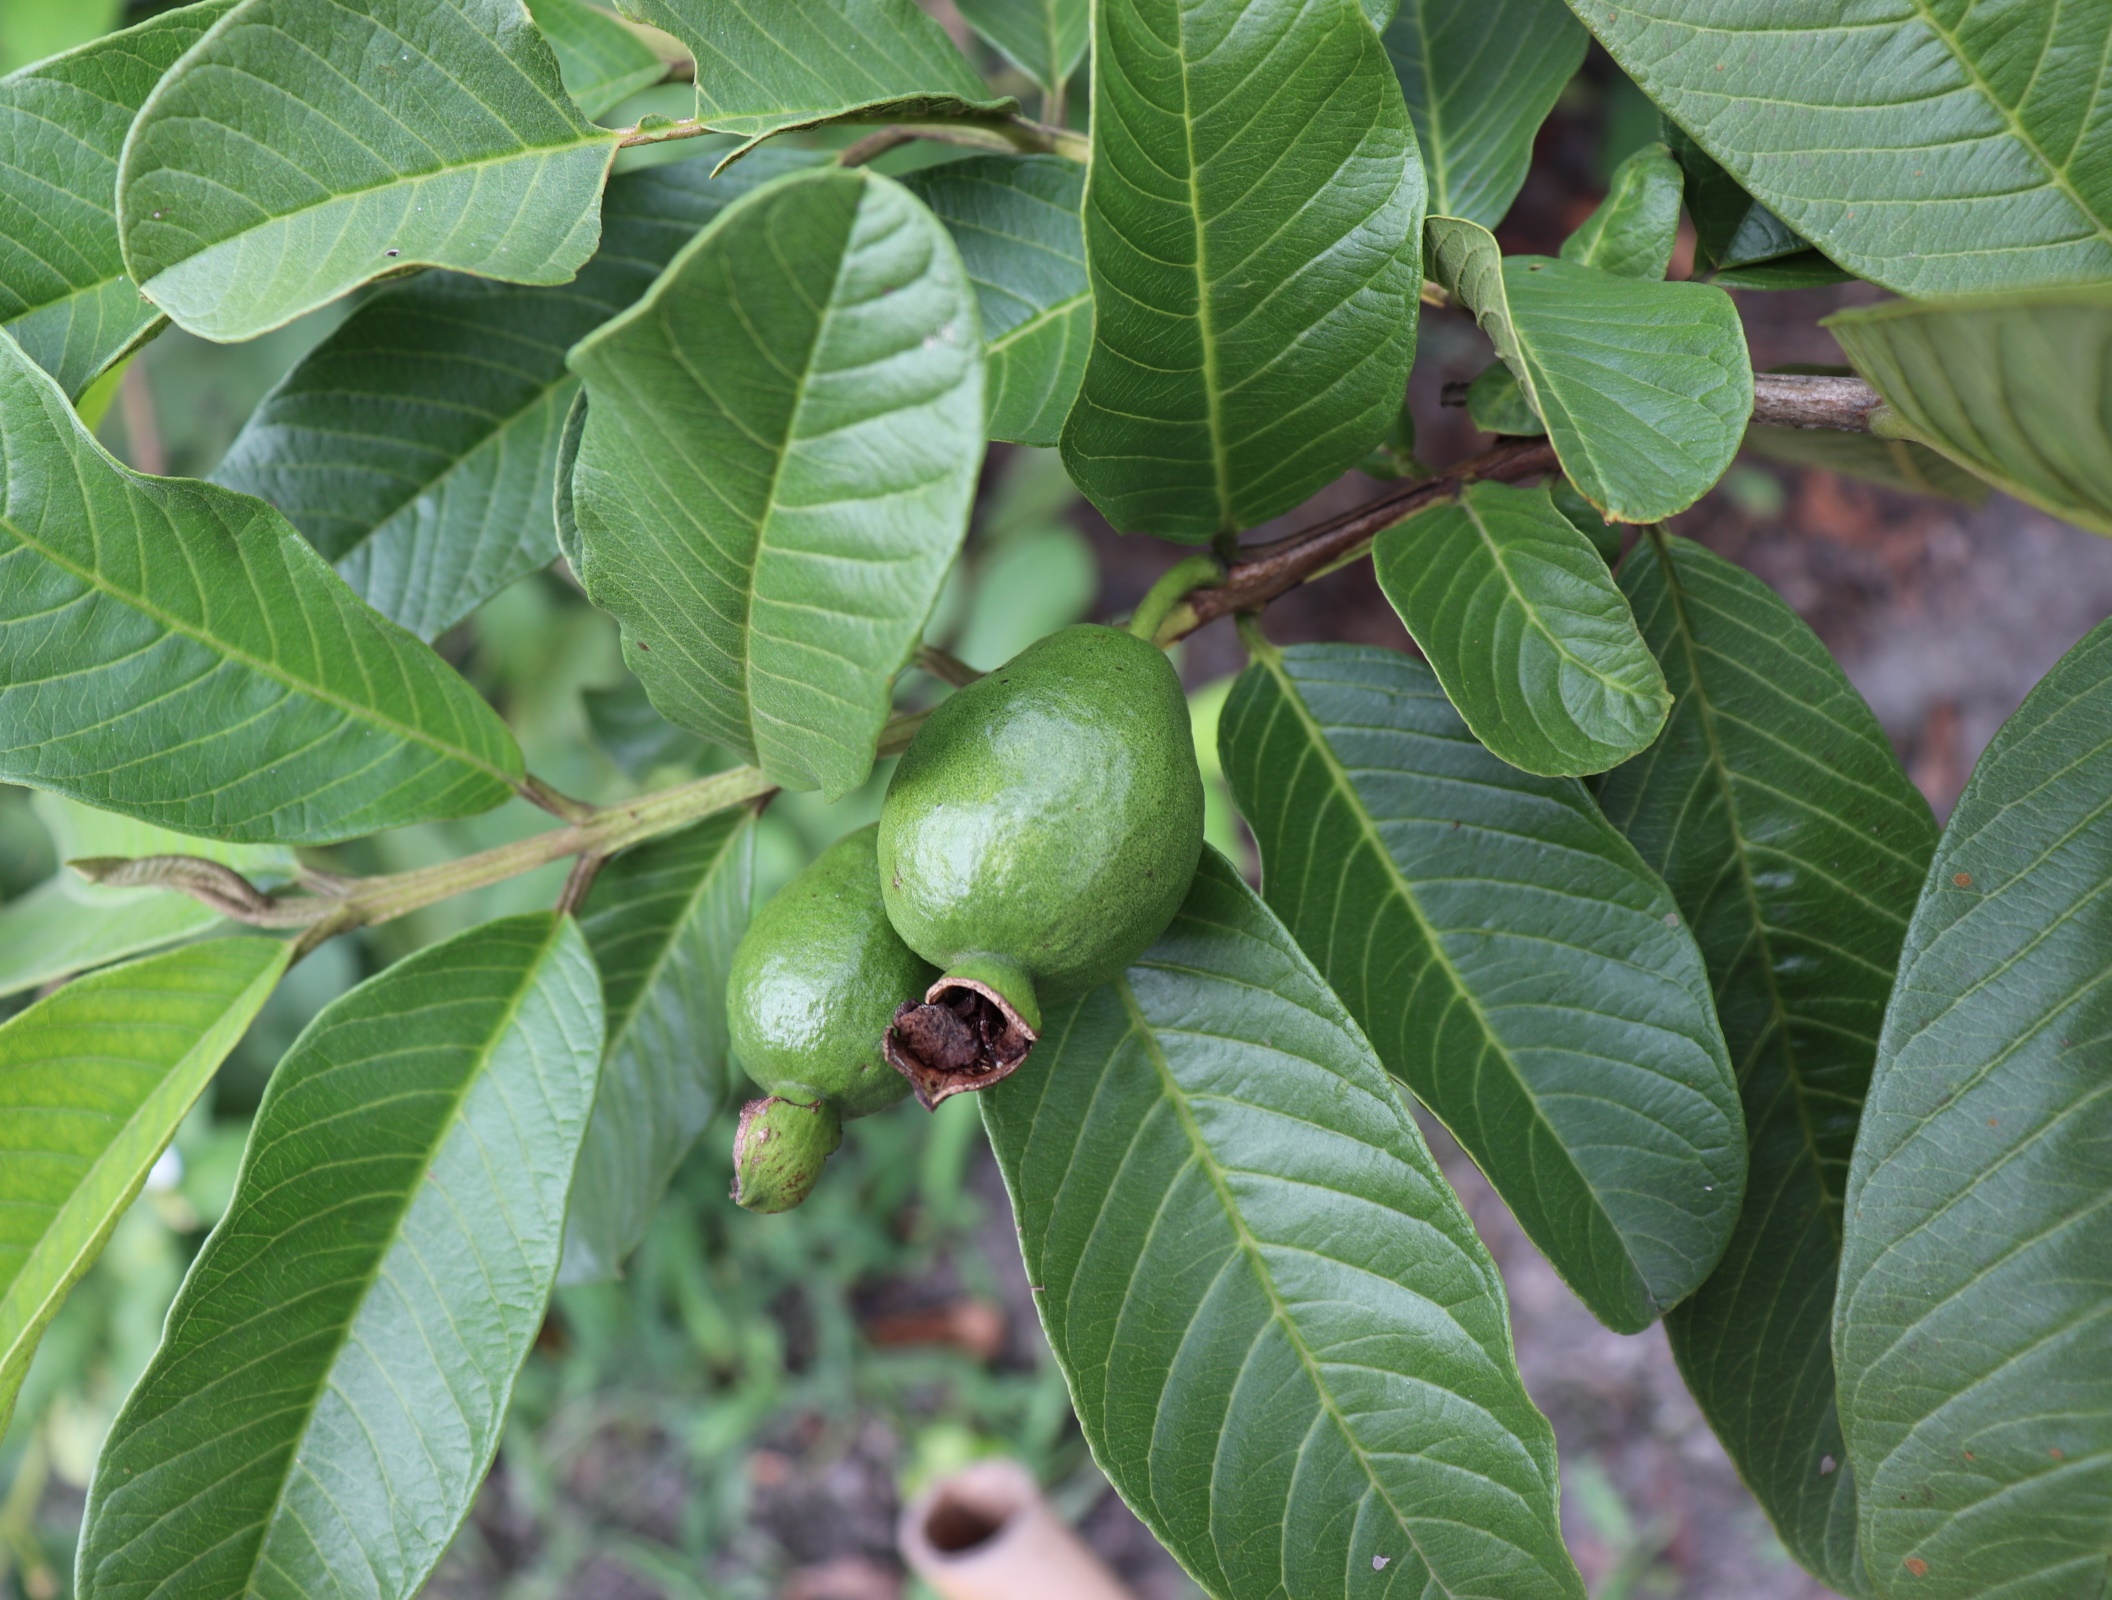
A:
x: 814, y: 984
x: 1038, y: 835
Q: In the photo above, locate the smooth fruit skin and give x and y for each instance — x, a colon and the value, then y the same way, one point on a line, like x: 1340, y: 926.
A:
x: 1048, y: 818
x: 815, y: 982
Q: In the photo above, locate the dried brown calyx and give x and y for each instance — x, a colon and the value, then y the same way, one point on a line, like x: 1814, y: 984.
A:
x: 963, y: 1036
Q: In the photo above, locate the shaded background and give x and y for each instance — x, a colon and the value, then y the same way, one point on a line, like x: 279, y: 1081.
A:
x: 743, y: 1414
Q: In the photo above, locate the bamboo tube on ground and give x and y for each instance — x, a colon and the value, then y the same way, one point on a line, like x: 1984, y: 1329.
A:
x: 986, y: 1533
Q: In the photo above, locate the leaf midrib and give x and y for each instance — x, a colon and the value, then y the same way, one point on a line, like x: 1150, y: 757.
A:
x: 531, y: 971
x: 1720, y: 773
x: 1205, y: 1159
x: 1443, y: 958
x: 1205, y: 322
x: 352, y: 709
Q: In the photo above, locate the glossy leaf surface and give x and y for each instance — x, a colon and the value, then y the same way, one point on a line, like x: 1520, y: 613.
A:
x: 304, y: 147
x: 1777, y: 813
x: 176, y: 652
x: 1517, y: 614
x: 1645, y: 387
x: 1480, y: 76
x: 1285, y: 1343
x: 1976, y: 1283
x: 779, y: 456
x: 1045, y: 39
x: 1252, y: 223
x: 331, y: 1385
x: 602, y: 62
x: 63, y: 290
x: 415, y: 446
x: 1511, y: 958
x: 765, y: 70
x: 93, y: 1080
x: 1935, y: 148
x: 662, y: 923
x: 1016, y: 222
x: 1637, y: 224
x: 2019, y: 392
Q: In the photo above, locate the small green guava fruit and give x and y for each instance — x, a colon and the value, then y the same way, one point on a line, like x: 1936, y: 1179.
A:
x: 778, y: 1152
x: 814, y: 984
x: 1038, y: 835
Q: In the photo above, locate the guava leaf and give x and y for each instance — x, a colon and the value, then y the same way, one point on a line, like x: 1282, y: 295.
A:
x: 1016, y: 221
x: 415, y: 446
x: 2016, y: 391
x: 1900, y: 464
x: 304, y: 147
x: 777, y: 464
x: 1511, y: 958
x: 1286, y: 1345
x: 93, y: 1080
x: 1045, y: 39
x: 1480, y: 76
x: 1637, y: 224
x: 1253, y: 226
x: 63, y: 290
x: 1776, y: 811
x: 1645, y: 387
x: 778, y: 68
x: 1516, y: 613
x: 662, y: 923
x: 176, y: 652
x: 602, y: 62
x: 1975, y: 1300
x: 1935, y: 149
x: 330, y: 1388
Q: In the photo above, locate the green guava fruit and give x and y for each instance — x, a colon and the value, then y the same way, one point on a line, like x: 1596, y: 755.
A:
x: 815, y: 983
x: 779, y: 1150
x: 1040, y: 832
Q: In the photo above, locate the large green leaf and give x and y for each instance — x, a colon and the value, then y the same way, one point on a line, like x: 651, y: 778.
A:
x: 1510, y: 956
x: 67, y: 925
x: 334, y: 1375
x: 1933, y: 146
x: 1253, y: 223
x: 176, y: 652
x: 1016, y: 221
x: 2017, y: 391
x: 1286, y: 1345
x: 602, y: 61
x: 1776, y: 811
x: 1645, y: 387
x: 777, y: 467
x: 93, y: 1081
x: 306, y: 146
x: 414, y: 447
x: 1516, y: 613
x: 1636, y: 226
x: 1976, y: 1283
x: 662, y: 923
x: 1480, y: 76
x: 771, y: 69
x: 63, y: 290
x: 1045, y: 39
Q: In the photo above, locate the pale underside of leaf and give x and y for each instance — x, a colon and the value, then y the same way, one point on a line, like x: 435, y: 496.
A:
x: 1975, y: 1303
x: 1937, y: 149
x: 1252, y: 223
x: 1518, y: 616
x: 2018, y: 392
x: 176, y: 652
x: 1045, y: 39
x: 304, y: 147
x: 1511, y: 959
x: 1779, y: 815
x: 93, y: 1081
x: 777, y: 465
x: 1480, y: 76
x: 1286, y: 1345
x: 330, y: 1389
x: 602, y: 61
